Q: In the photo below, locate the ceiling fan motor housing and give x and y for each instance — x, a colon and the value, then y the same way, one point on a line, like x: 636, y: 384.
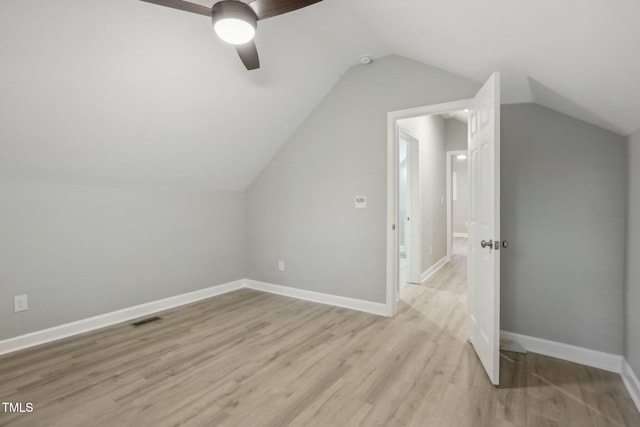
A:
x: 233, y: 9
x: 236, y: 22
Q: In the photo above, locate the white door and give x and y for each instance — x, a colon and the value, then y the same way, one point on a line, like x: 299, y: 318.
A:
x: 484, y: 226
x: 411, y: 217
x: 403, y: 209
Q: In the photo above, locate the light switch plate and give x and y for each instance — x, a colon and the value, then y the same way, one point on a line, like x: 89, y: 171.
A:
x: 20, y: 303
x: 361, y: 202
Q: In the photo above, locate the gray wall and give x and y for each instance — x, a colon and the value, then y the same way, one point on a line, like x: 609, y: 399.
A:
x: 457, y: 137
x: 632, y: 283
x: 300, y: 208
x: 430, y: 132
x: 460, y: 207
x: 82, y: 251
x: 563, y: 213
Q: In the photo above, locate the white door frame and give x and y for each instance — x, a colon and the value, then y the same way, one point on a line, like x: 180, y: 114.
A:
x: 392, y: 188
x: 450, y: 155
x: 414, y: 242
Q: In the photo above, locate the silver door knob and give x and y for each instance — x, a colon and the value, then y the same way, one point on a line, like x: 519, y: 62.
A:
x: 485, y: 243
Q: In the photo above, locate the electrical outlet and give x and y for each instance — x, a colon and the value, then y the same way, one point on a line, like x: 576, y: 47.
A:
x: 280, y: 265
x: 20, y: 303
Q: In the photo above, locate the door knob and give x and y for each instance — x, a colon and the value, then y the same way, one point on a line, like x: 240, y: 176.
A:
x: 497, y: 244
x: 484, y: 244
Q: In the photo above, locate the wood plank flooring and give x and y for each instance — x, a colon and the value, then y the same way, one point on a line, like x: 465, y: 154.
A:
x: 253, y: 359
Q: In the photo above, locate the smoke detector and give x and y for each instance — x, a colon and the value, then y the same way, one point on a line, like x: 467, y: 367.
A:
x: 366, y: 59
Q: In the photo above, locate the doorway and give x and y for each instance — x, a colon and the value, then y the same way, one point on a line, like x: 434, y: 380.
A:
x: 483, y: 154
x: 457, y: 197
x: 409, y: 209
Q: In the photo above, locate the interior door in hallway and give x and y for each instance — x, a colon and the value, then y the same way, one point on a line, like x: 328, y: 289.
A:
x: 409, y: 209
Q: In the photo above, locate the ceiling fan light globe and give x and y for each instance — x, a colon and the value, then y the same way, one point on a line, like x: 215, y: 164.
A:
x: 234, y: 21
x: 234, y: 31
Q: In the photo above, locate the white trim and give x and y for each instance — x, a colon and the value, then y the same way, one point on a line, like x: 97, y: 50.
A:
x: 433, y: 269
x: 465, y: 235
x: 55, y: 333
x: 584, y: 356
x: 393, y: 244
x: 631, y: 381
x: 392, y: 188
x: 318, y: 297
x: 92, y: 323
x: 597, y: 359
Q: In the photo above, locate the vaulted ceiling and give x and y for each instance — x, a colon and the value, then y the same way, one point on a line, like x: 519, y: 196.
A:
x: 123, y: 92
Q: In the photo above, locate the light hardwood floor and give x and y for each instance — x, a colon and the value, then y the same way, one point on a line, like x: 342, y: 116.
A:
x: 253, y: 359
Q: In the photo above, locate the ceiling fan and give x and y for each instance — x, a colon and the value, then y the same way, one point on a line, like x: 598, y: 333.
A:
x: 235, y: 22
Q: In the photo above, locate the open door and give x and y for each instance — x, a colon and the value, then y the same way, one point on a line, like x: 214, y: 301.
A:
x: 484, y: 226
x: 410, y: 218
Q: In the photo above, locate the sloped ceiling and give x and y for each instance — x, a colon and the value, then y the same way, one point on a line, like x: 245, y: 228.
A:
x: 580, y: 57
x: 122, y: 92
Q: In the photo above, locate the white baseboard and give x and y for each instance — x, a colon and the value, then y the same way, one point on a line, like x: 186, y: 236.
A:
x: 584, y: 356
x: 465, y: 235
x: 597, y: 359
x: 432, y: 270
x: 85, y: 325
x: 338, y: 301
x: 631, y: 381
x: 92, y: 323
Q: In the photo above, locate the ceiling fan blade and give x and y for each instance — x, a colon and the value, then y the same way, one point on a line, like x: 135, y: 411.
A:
x: 268, y: 8
x: 183, y: 5
x: 249, y: 55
